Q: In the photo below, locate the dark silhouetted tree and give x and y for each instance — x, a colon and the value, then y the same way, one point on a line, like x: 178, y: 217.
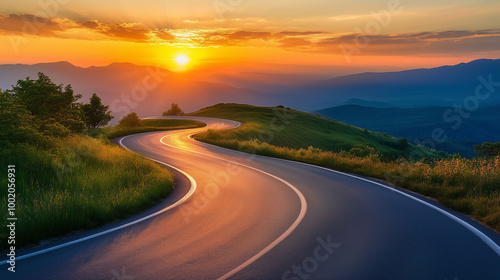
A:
x: 95, y: 113
x: 174, y: 110
x: 488, y: 149
x: 130, y: 120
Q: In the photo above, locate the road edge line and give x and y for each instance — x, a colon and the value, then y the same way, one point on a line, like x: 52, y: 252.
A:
x: 283, y: 236
x: 177, y: 203
x: 487, y: 240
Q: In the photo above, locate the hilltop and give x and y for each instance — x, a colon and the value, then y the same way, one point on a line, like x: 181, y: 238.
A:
x: 285, y: 127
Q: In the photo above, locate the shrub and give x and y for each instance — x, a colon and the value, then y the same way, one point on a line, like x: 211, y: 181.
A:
x: 95, y: 113
x: 174, y: 110
x: 488, y: 149
x: 130, y: 120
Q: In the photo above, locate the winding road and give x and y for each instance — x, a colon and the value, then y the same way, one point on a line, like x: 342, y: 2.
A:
x: 234, y: 215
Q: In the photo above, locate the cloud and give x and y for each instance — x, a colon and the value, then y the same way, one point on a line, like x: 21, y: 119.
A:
x: 31, y: 25
x: 135, y: 32
x: 348, y: 17
x: 303, y: 33
x: 443, y: 42
x: 27, y: 24
x: 295, y: 43
x: 250, y: 35
x: 92, y: 24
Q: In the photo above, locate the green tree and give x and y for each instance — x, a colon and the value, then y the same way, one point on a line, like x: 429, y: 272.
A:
x: 17, y: 124
x: 130, y: 120
x: 174, y: 110
x: 52, y: 105
x: 488, y: 149
x: 95, y: 113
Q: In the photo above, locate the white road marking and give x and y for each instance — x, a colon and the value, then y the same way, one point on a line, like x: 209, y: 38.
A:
x: 303, y: 209
x: 488, y: 241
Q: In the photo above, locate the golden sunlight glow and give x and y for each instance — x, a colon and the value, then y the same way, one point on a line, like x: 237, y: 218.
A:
x: 182, y: 60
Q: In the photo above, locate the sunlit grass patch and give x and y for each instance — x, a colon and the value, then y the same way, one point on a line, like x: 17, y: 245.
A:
x: 80, y: 184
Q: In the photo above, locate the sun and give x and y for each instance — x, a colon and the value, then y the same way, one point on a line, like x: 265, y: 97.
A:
x: 182, y: 60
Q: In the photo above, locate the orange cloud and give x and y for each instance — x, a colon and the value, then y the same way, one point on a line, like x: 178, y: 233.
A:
x: 451, y: 41
x: 27, y: 24
x: 444, y: 42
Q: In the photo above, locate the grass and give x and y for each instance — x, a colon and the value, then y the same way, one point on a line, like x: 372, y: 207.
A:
x: 295, y: 129
x: 148, y: 125
x: 471, y: 186
x: 81, y: 182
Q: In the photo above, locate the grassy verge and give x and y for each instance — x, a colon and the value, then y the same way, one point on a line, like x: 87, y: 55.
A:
x: 468, y: 186
x: 151, y: 125
x: 284, y: 127
x: 80, y: 183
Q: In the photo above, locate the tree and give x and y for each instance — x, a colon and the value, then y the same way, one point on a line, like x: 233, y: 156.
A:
x: 95, y: 113
x: 488, y: 149
x: 50, y: 104
x: 17, y: 124
x: 174, y: 110
x: 130, y: 120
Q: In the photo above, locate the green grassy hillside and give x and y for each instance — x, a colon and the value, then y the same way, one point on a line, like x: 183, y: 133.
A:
x: 284, y: 127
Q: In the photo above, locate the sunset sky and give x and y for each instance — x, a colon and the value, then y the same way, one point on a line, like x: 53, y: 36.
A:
x: 222, y: 34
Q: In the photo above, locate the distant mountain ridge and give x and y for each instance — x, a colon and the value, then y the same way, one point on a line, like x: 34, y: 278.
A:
x: 482, y: 125
x: 441, y: 86
x: 128, y: 87
x: 149, y: 91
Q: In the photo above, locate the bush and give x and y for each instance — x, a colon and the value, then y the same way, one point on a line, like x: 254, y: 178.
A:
x: 49, y: 103
x: 488, y: 149
x: 130, y: 120
x: 174, y: 110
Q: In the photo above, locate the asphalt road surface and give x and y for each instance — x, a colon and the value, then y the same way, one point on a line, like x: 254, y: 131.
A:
x: 238, y: 216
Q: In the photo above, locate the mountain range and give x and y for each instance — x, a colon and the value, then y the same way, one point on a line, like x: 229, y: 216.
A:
x: 441, y: 86
x: 127, y: 87
x: 150, y: 90
x: 418, y: 125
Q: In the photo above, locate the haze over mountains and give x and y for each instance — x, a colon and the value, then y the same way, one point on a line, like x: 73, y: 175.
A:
x: 127, y: 87
x: 442, y: 86
x: 418, y: 124
x: 149, y: 91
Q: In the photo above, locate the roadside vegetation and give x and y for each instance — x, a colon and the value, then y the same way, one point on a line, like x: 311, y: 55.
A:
x: 147, y: 125
x: 471, y: 186
x: 66, y: 180
x: 174, y: 110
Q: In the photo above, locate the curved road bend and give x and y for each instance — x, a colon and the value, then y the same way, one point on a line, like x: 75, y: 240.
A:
x: 264, y: 218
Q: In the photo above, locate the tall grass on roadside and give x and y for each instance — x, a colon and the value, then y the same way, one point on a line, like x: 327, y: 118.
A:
x: 79, y: 183
x: 468, y: 186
